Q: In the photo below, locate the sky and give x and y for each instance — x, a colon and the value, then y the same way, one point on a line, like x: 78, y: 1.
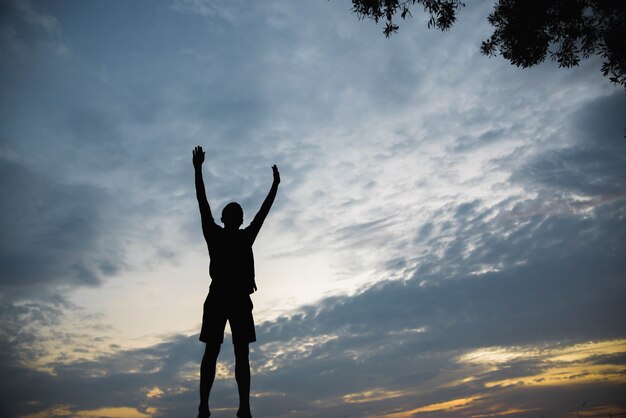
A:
x: 448, y: 237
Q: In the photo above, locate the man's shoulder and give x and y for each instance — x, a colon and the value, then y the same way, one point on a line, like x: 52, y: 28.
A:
x: 210, y: 224
x: 211, y: 231
x: 250, y: 232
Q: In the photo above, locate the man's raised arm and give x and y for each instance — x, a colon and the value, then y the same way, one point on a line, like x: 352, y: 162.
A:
x: 205, y: 209
x: 257, y: 222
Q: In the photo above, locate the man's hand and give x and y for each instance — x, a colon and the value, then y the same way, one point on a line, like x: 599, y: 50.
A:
x: 198, y: 157
x: 276, y: 174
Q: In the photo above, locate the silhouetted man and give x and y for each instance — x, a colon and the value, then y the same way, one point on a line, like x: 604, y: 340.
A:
x: 232, y: 281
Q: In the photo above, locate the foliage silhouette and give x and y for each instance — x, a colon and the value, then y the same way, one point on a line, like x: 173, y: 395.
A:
x: 526, y: 31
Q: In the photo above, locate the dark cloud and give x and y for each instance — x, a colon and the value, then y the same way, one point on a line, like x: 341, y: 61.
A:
x: 124, y: 377
x: 22, y: 341
x: 23, y: 21
x: 595, y: 164
x: 52, y: 232
x: 587, y: 172
x: 600, y: 122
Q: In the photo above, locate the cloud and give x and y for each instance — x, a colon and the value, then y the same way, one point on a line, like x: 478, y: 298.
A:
x: 52, y: 232
x: 409, y: 344
x: 228, y: 11
x: 26, y: 29
x: 593, y: 164
x: 36, y: 17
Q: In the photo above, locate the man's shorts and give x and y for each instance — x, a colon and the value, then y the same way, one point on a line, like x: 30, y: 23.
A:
x: 219, y: 308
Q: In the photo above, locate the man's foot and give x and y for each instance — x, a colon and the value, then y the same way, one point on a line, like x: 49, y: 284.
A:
x: 244, y: 414
x: 203, y: 412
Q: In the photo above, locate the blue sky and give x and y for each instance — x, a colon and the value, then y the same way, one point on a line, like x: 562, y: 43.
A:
x: 447, y: 240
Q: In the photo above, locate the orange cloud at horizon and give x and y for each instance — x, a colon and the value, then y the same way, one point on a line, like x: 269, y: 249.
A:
x: 113, y: 412
x: 441, y: 406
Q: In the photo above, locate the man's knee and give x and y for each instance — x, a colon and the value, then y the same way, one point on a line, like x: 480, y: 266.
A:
x: 241, y: 351
x: 211, y: 350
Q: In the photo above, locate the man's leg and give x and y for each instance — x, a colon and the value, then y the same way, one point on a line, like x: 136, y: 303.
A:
x: 242, y: 375
x: 207, y: 376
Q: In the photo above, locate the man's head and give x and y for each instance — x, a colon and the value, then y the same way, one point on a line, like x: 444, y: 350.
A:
x: 232, y: 216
